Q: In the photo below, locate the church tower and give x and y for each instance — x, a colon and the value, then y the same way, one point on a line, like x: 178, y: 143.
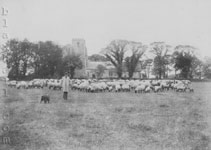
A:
x: 79, y: 47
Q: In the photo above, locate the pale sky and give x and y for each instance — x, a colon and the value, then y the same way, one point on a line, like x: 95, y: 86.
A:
x: 100, y: 21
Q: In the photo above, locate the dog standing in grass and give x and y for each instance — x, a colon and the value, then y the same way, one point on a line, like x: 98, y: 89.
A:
x: 45, y: 99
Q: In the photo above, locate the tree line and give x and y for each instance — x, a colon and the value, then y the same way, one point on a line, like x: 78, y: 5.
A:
x: 26, y: 59
x: 182, y: 58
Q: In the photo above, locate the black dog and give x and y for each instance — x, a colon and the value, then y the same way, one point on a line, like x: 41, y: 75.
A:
x: 45, y: 99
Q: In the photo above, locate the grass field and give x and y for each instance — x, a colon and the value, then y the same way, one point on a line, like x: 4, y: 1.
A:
x: 107, y: 121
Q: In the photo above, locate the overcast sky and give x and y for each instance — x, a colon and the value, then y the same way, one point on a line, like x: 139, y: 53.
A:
x: 100, y: 21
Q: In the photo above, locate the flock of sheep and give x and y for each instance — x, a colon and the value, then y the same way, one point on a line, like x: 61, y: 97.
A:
x: 93, y: 85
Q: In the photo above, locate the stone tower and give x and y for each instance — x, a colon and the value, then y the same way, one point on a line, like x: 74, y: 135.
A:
x: 79, y: 48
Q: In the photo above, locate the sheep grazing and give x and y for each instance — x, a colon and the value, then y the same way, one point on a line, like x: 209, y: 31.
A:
x: 57, y: 85
x: 106, y: 85
x: 125, y: 88
x: 12, y: 83
x: 22, y: 84
x: 110, y: 88
x: 140, y: 88
x: 90, y: 89
x: 37, y: 83
x: 83, y: 86
x: 117, y: 88
x: 147, y: 89
x: 165, y: 85
x: 157, y: 88
x: 190, y: 89
x: 30, y: 84
x: 133, y: 84
x: 181, y: 88
x: 54, y: 84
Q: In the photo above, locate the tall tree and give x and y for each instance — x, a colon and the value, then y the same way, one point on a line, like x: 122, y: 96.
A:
x: 11, y: 56
x: 185, y: 60
x: 131, y: 62
x: 100, y: 70
x: 71, y: 63
x: 26, y: 56
x: 115, y: 52
x: 161, y: 60
x: 16, y: 53
x: 47, y: 59
x: 196, y: 68
x: 207, y: 67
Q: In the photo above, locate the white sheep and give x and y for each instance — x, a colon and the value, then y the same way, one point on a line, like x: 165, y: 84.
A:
x: 12, y: 83
x: 147, y: 89
x: 157, y: 88
x: 117, y: 88
x: 140, y: 88
x: 126, y: 87
x: 181, y: 88
x: 22, y: 84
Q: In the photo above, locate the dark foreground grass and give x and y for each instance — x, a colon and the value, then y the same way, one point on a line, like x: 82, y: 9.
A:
x: 154, y: 121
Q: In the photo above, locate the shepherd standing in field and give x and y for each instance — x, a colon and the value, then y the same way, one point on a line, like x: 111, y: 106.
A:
x: 65, y: 85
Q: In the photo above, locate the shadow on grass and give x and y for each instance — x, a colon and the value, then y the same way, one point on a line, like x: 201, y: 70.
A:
x: 194, y: 139
x: 13, y: 99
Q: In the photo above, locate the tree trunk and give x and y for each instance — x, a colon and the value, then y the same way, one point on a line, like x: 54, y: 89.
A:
x: 167, y: 72
x: 160, y: 74
x: 130, y: 74
x: 72, y: 72
x: 200, y: 73
x: 24, y: 69
x: 119, y: 74
x: 17, y: 71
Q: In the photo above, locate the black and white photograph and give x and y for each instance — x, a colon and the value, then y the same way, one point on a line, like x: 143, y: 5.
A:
x: 105, y: 75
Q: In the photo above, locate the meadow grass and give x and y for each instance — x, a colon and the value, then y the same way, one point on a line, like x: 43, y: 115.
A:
x: 154, y: 121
